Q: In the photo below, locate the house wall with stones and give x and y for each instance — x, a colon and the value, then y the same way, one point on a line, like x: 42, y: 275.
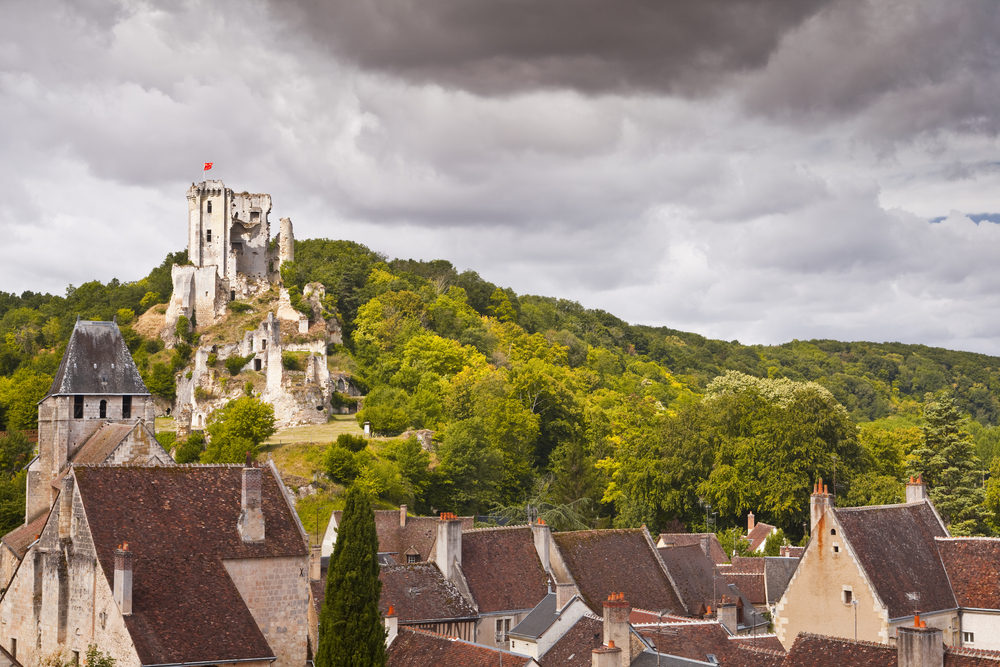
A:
x: 140, y: 446
x: 276, y: 591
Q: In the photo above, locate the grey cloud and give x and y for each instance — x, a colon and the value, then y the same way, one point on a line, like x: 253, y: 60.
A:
x: 504, y: 46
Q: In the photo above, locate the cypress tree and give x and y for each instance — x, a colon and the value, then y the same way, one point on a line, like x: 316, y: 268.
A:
x: 350, y: 625
x: 949, y: 466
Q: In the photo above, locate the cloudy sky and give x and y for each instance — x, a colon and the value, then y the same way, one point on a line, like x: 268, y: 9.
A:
x: 756, y: 170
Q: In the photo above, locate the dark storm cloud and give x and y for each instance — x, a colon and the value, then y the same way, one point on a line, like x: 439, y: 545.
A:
x: 503, y: 46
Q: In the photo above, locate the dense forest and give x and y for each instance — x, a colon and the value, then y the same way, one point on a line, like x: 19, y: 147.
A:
x: 538, y: 399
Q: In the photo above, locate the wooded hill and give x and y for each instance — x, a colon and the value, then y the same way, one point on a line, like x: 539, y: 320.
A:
x: 539, y: 398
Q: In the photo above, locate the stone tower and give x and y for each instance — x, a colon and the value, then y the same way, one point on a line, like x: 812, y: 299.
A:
x: 286, y: 243
x: 97, y: 397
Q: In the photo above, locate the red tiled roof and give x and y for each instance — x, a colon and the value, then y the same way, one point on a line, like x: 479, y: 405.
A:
x: 21, y: 538
x: 694, y: 641
x: 904, y: 536
x: 617, y: 561
x: 99, y: 446
x: 502, y: 569
x: 758, y: 535
x: 973, y: 566
x: 574, y: 648
x: 420, y: 532
x: 811, y: 650
x: 180, y: 523
x: 796, y: 552
x: 416, y: 648
x: 750, y: 584
x: 769, y: 642
x: 753, y: 656
x: 748, y: 565
x: 419, y: 592
x: 715, y: 552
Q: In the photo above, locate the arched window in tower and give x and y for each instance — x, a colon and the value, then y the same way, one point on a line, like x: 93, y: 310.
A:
x: 208, y: 207
x: 104, y: 409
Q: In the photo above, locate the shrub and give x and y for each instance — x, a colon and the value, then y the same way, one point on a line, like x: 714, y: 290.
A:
x: 190, y: 450
x: 339, y: 400
x: 153, y: 345
x: 213, y: 359
x: 339, y: 464
x: 355, y: 443
x: 125, y: 316
x: 202, y: 394
x: 387, y: 408
x: 189, y: 375
x: 160, y: 381
x: 239, y: 307
x: 235, y: 363
x: 293, y: 361
x: 150, y: 299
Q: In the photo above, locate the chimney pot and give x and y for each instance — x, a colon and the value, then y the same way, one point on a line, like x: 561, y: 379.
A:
x: 611, y: 643
x: 750, y: 523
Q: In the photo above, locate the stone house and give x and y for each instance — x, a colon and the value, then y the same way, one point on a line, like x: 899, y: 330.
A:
x: 545, y: 625
x: 709, y: 543
x: 708, y: 640
x: 757, y: 534
x: 164, y: 566
x: 403, y: 538
x: 869, y: 570
x: 915, y: 647
x: 420, y: 598
x: 973, y: 567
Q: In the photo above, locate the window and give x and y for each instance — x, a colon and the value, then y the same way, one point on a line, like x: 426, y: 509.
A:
x: 76, y: 658
x: 848, y: 596
x: 126, y: 407
x: 255, y: 215
x: 833, y: 531
x: 503, y: 627
x: 256, y: 364
x: 13, y: 647
x: 208, y: 209
x: 836, y: 548
x: 78, y: 407
x: 208, y: 235
x: 232, y: 295
x: 104, y: 409
x: 263, y: 343
x: 968, y: 638
x: 412, y: 558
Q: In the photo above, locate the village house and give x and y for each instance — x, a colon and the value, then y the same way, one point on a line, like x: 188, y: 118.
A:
x: 421, y: 598
x: 915, y: 647
x: 709, y: 641
x: 546, y: 623
x: 709, y: 543
x: 164, y: 566
x: 401, y: 537
x: 418, y: 648
x: 757, y: 534
x: 973, y: 567
x: 868, y: 570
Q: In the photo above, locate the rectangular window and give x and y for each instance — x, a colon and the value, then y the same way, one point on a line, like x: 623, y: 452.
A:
x: 126, y: 407
x: 76, y: 658
x: 208, y: 235
x: 411, y: 558
x: 256, y: 364
x: 968, y: 638
x: 848, y: 597
x: 503, y: 627
x: 13, y: 648
x: 78, y: 407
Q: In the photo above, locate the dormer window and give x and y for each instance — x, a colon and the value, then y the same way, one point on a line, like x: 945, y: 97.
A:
x: 412, y: 558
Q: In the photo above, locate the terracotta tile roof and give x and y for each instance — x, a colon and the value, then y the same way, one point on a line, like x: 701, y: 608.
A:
x: 969, y: 657
x: 574, y: 648
x: 715, y: 552
x: 97, y: 361
x: 695, y: 576
x: 420, y: 532
x: 419, y: 592
x: 795, y: 552
x: 758, y: 535
x: 750, y: 584
x: 21, y: 538
x: 416, y: 648
x: 904, y: 536
x: 747, y: 565
x: 753, y: 656
x: 973, y: 566
x: 502, y: 569
x: 180, y: 523
x: 811, y: 650
x: 769, y: 642
x: 617, y: 561
x: 694, y: 641
x: 100, y: 445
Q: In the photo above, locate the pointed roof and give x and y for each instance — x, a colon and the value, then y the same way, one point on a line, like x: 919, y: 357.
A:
x: 418, y: 648
x: 419, y: 592
x: 502, y: 569
x: 973, y: 566
x: 97, y: 361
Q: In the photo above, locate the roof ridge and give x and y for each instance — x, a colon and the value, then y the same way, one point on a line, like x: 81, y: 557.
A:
x: 761, y: 650
x: 175, y: 465
x: 486, y: 529
x: 745, y: 637
x: 877, y: 507
x: 843, y: 640
x: 972, y: 652
x: 952, y: 538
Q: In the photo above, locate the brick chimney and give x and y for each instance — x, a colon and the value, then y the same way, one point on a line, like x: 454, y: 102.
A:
x: 919, y: 646
x: 750, y: 523
x: 402, y: 516
x: 607, y: 656
x: 564, y: 593
x: 391, y: 623
x: 819, y: 502
x: 616, y: 626
x: 250, y: 525
x: 123, y: 579
x: 448, y: 550
x: 540, y: 534
x: 916, y: 490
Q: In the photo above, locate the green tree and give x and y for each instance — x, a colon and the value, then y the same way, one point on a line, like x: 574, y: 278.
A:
x: 97, y: 658
x: 774, y: 542
x: 501, y: 307
x: 350, y: 625
x: 190, y: 450
x: 160, y: 381
x: 238, y: 428
x: 950, y: 468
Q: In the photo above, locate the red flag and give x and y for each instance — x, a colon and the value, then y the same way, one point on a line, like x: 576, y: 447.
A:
x: 208, y: 165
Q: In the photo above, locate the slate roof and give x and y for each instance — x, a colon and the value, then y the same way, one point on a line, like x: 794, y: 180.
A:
x: 904, y: 536
x: 180, y: 523
x: 758, y: 535
x: 973, y: 566
x: 574, y: 648
x: 715, y: 551
x: 502, y: 569
x: 419, y: 592
x: 617, y: 561
x: 695, y: 577
x: 417, y: 648
x: 778, y: 571
x: 539, y: 620
x: 97, y: 361
x: 420, y: 532
x: 21, y: 538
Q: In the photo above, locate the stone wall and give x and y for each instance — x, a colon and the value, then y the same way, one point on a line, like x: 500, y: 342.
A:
x: 276, y: 591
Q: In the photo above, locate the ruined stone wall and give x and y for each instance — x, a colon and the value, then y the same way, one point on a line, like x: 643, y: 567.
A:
x: 276, y: 591
x: 249, y: 235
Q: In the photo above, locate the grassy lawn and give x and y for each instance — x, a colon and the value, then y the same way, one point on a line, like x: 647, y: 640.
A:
x: 316, y: 433
x: 165, y: 424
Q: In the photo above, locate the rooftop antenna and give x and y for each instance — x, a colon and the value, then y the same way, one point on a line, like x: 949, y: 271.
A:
x: 914, y: 598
